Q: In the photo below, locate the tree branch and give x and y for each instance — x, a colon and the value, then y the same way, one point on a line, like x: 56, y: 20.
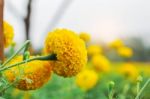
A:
x: 27, y: 19
x: 1, y: 31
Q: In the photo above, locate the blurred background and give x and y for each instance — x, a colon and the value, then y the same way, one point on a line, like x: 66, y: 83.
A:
x: 104, y: 20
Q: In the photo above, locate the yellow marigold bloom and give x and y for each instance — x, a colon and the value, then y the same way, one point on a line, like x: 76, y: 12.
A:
x: 94, y: 49
x: 84, y: 36
x: 129, y: 71
x: 31, y: 75
x: 8, y: 34
x: 117, y: 44
x: 125, y: 52
x: 87, y: 79
x: 101, y: 63
x: 70, y: 50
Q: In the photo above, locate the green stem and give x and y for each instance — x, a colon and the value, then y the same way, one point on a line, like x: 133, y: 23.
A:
x: 142, y: 89
x: 25, y: 45
x: 49, y: 57
x: 111, y: 90
x: 110, y: 95
x: 7, y: 87
x: 138, y: 88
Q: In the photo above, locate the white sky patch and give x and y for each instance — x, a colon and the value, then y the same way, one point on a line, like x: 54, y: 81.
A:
x: 105, y: 20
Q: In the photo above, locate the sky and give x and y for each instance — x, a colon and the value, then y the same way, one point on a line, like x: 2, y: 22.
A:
x: 104, y: 20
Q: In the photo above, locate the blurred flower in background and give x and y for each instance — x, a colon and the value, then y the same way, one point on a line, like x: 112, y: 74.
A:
x: 94, y: 50
x: 116, y: 44
x: 125, y: 52
x: 87, y: 79
x: 8, y: 34
x: 129, y: 71
x: 85, y: 36
x: 101, y: 63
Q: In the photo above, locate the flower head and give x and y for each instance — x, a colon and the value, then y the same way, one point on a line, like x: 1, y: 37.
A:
x: 29, y: 76
x: 129, y: 71
x: 84, y: 36
x: 125, y: 52
x: 94, y: 49
x: 70, y: 50
x: 116, y: 44
x: 101, y: 63
x: 8, y: 34
x: 87, y: 79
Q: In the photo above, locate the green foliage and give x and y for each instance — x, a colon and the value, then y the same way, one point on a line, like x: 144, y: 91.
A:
x: 65, y: 88
x: 59, y: 87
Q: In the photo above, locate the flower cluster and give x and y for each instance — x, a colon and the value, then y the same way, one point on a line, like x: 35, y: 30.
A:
x: 94, y: 67
x: 70, y: 58
x: 123, y: 50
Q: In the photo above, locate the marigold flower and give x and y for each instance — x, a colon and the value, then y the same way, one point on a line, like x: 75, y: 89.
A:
x: 101, y: 63
x: 129, y: 71
x: 8, y: 34
x: 29, y: 76
x: 84, y: 36
x: 70, y: 50
x: 93, y: 50
x: 125, y: 52
x: 87, y: 79
x: 117, y: 44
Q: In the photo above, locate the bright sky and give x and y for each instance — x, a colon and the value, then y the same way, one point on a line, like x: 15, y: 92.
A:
x: 105, y: 20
